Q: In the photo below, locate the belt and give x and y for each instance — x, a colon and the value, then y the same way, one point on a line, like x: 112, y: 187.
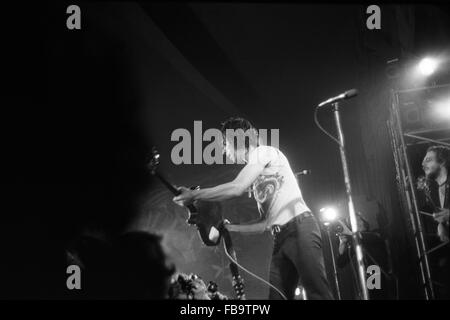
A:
x: 277, y: 228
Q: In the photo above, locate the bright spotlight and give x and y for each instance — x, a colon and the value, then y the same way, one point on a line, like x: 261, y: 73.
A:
x: 328, y: 214
x: 297, y: 291
x: 442, y: 108
x: 427, y: 66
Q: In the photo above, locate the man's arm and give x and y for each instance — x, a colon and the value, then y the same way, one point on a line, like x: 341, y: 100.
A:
x: 343, y: 256
x: 442, y: 216
x: 231, y: 189
x: 343, y: 240
x: 224, y: 191
x: 258, y: 227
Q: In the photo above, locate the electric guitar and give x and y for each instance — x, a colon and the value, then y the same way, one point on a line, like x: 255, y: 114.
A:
x: 209, y: 222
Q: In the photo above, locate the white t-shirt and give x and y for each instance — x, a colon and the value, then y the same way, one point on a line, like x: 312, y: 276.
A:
x: 276, y: 190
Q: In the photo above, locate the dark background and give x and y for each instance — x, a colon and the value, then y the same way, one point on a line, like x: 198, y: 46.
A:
x: 83, y: 108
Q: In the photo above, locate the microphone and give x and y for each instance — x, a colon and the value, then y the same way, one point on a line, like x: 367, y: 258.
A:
x: 302, y: 173
x: 346, y: 95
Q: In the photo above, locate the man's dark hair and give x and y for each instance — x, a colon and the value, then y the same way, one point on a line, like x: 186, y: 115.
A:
x: 442, y: 154
x: 235, y: 123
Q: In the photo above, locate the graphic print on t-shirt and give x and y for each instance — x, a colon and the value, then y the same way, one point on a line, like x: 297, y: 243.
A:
x: 266, y: 189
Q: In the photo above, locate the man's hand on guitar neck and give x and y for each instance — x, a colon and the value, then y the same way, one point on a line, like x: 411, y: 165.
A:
x: 185, y: 198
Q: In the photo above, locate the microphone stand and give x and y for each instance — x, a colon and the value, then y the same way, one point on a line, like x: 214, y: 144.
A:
x: 351, y: 207
x: 333, y: 258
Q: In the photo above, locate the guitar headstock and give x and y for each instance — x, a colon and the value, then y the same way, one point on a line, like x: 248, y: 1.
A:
x: 238, y: 286
x: 154, y: 161
x: 238, y: 282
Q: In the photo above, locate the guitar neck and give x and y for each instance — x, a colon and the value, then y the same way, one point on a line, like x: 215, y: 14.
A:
x: 167, y: 183
x: 238, y: 282
x: 174, y: 190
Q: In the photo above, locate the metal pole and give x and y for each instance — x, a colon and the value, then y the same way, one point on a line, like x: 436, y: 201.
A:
x: 414, y: 210
x: 336, y: 280
x: 351, y: 207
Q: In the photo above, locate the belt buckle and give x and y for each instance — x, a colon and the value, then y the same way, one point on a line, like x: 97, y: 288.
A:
x: 276, y: 229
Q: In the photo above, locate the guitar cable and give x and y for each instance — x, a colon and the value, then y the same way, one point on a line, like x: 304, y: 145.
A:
x: 252, y: 274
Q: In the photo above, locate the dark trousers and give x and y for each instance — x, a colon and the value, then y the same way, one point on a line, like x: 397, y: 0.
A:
x: 298, y: 257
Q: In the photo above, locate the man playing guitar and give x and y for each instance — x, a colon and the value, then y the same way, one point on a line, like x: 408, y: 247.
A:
x: 297, y: 253
x: 436, y: 164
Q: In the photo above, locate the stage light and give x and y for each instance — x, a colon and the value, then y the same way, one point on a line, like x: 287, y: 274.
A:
x: 329, y: 214
x: 427, y: 66
x: 297, y: 291
x: 442, y: 108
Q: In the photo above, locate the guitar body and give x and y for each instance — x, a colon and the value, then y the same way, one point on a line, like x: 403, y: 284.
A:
x: 207, y: 217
